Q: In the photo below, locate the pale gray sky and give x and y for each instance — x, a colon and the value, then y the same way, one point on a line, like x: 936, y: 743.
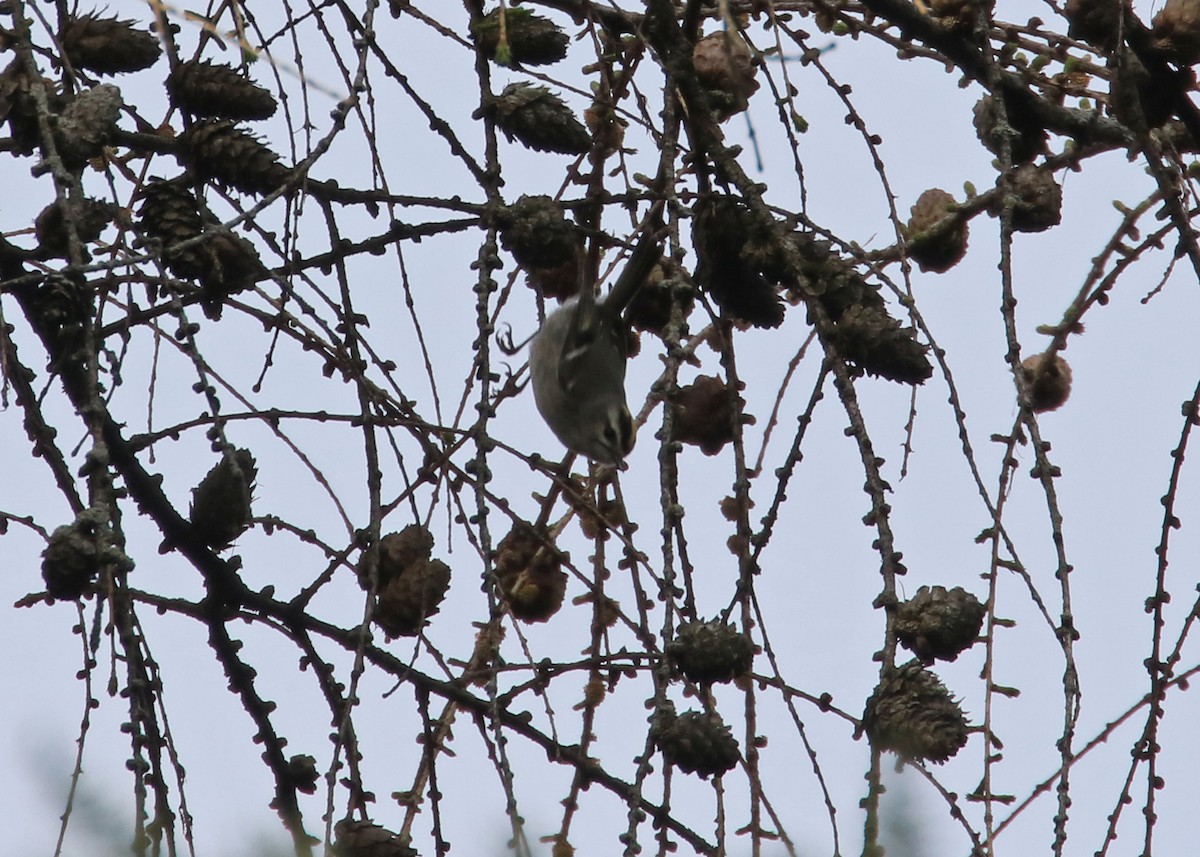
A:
x: 1134, y: 366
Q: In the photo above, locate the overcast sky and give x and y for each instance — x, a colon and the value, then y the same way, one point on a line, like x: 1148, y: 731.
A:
x: 1133, y: 367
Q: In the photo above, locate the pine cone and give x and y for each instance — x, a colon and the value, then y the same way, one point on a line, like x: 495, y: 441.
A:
x: 1143, y: 101
x: 531, y: 39
x: 1038, y: 204
x: 731, y: 265
x: 399, y: 553
x: 880, y: 345
x: 64, y: 304
x: 594, y: 520
x: 1176, y: 31
x: 64, y: 299
x: 708, y: 652
x: 1096, y: 21
x: 535, y: 230
x: 958, y: 16
x: 538, y: 119
x: 1027, y: 143
x: 203, y: 88
x: 530, y: 575
x: 90, y: 217
x: 704, y: 414
x: 71, y: 560
x: 63, y: 307
x: 108, y: 45
x: 912, y: 714
x: 725, y: 68
x: 234, y: 267
x: 933, y: 246
x: 558, y: 283
x: 864, y: 333
x: 695, y: 742
x: 825, y: 274
x: 19, y: 107
x: 1049, y: 382
x: 85, y: 124
x: 938, y: 623
x: 170, y: 214
x: 650, y: 309
x: 364, y: 839
x: 407, y: 603
x: 219, y: 151
x: 224, y: 263
x: 411, y: 585
x: 220, y: 510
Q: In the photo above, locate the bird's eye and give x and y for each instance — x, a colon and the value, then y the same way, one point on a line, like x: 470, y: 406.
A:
x: 610, y: 435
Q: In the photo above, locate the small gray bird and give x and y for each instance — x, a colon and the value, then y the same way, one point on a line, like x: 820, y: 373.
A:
x: 577, y: 361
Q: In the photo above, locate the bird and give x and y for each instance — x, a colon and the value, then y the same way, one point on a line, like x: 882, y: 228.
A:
x: 577, y: 361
